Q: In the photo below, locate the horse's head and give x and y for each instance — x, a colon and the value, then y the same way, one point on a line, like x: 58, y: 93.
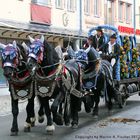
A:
x: 35, y: 55
x: 10, y: 59
x: 89, y: 58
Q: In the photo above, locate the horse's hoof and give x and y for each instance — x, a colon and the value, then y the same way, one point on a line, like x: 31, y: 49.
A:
x: 110, y: 112
x: 67, y: 124
x: 88, y: 110
x: 32, y: 124
x: 74, y: 126
x: 58, y: 120
x: 41, y: 119
x: 50, y: 129
x: 95, y: 115
x: 27, y: 127
x: 14, y: 133
x: 33, y: 121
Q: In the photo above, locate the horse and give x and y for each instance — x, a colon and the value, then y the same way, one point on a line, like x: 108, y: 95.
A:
x: 43, y: 57
x: 43, y: 63
x: 20, y: 83
x: 97, y: 79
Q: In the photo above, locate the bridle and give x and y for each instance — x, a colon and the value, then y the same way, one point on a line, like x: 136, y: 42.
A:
x: 12, y: 54
x: 36, y: 51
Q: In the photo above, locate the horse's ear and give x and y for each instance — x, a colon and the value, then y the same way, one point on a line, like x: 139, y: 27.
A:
x: 2, y: 46
x: 31, y: 39
x: 14, y: 44
x: 24, y: 46
x: 42, y: 39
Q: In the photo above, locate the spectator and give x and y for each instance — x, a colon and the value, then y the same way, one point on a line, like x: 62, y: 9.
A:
x: 98, y: 40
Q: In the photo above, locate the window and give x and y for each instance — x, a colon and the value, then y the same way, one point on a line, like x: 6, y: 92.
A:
x: 120, y: 11
x: 96, y: 7
x: 59, y: 3
x: 42, y: 2
x: 128, y: 13
x: 71, y: 5
x: 87, y: 7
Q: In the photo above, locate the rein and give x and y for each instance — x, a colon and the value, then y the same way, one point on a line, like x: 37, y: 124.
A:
x: 67, y: 61
x: 50, y: 65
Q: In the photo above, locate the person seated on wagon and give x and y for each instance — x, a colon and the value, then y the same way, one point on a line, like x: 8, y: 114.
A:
x: 88, y: 46
x: 98, y: 39
x: 112, y: 50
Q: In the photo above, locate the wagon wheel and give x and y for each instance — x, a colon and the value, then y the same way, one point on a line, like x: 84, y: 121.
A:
x: 67, y: 110
x: 121, y: 96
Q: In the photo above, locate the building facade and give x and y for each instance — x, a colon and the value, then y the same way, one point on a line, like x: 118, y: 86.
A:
x: 61, y: 21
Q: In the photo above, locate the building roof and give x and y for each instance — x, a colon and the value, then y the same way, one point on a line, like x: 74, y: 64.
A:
x: 15, y: 29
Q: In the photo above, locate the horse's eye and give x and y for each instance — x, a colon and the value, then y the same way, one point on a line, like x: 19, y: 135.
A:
x: 12, y: 56
x: 36, y: 49
x: 3, y: 56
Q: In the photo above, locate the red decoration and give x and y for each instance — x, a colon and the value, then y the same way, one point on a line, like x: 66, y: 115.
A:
x: 126, y: 29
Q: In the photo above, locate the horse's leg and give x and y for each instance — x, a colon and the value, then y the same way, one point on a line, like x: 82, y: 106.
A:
x: 87, y: 103
x: 40, y: 112
x: 74, y: 111
x: 30, y: 120
x: 50, y: 126
x: 15, y: 111
x: 96, y: 107
x: 110, y: 96
x: 57, y: 118
x: 60, y: 109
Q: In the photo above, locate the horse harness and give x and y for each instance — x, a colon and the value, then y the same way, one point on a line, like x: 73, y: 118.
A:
x: 45, y: 85
x: 89, y: 79
x: 68, y: 80
x: 21, y: 87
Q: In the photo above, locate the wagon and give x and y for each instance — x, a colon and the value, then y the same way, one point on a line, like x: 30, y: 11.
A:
x: 130, y: 83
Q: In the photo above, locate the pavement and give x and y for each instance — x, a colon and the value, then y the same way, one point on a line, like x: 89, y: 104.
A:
x: 122, y: 124
x: 5, y: 102
x: 4, y: 91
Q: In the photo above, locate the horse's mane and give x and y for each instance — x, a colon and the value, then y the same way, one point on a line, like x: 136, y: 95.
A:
x: 94, y: 60
x: 22, y: 52
x: 50, y: 55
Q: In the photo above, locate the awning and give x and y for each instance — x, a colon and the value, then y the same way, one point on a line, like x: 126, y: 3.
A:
x: 17, y: 30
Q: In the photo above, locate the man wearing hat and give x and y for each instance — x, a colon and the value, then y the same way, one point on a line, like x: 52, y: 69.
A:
x: 112, y: 50
x: 98, y: 39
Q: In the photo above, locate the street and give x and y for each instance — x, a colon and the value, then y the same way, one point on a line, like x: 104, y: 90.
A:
x: 123, y: 124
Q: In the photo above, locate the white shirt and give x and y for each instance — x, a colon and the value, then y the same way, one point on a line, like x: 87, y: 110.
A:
x: 110, y: 47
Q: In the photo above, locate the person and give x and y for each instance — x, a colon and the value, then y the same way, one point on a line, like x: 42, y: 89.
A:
x: 92, y: 53
x: 98, y: 39
x: 112, y: 50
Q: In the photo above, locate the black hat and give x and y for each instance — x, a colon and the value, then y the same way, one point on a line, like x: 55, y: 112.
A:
x: 113, y: 36
x: 99, y: 29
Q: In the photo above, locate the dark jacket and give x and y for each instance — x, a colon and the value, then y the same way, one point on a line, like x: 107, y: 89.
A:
x: 116, y: 53
x: 98, y: 44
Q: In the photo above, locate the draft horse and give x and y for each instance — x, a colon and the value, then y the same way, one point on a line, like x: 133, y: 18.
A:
x: 43, y: 64
x: 97, y: 78
x: 20, y: 82
x: 43, y: 61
